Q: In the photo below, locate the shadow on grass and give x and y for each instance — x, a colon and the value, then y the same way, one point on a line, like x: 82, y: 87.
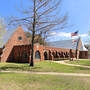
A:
x: 22, y: 68
x: 43, y: 67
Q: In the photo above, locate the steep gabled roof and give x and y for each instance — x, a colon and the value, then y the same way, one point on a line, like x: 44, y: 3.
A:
x: 83, y: 48
x: 67, y: 44
x: 6, y: 37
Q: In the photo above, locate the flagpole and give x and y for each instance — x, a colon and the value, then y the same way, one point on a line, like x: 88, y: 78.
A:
x: 72, y: 48
x: 71, y: 52
x: 77, y: 47
x: 75, y: 34
x: 73, y: 42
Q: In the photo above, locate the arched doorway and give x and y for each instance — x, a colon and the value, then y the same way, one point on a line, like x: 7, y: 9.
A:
x: 57, y: 54
x: 62, y: 54
x: 54, y: 54
x: 37, y: 55
x: 45, y: 56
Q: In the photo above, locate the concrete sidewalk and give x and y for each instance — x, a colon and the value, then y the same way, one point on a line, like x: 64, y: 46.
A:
x: 48, y: 73
x: 63, y: 62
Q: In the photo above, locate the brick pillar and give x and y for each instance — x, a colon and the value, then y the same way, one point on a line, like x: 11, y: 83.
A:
x: 42, y: 55
x: 77, y: 54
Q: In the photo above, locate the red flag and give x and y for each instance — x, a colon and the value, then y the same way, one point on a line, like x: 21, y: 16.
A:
x: 73, y: 41
x: 74, y: 34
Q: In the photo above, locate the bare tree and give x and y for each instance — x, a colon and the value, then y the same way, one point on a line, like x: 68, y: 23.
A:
x: 41, y: 18
x: 38, y: 38
x: 2, y: 30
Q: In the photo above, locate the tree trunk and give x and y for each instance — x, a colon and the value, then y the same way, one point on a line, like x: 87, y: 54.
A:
x: 32, y: 53
x: 33, y: 35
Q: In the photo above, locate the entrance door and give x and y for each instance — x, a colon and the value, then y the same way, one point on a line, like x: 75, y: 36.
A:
x: 45, y: 56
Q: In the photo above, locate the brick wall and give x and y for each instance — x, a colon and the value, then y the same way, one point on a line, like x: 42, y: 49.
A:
x: 20, y: 54
x: 83, y: 55
x: 52, y: 52
x: 13, y: 41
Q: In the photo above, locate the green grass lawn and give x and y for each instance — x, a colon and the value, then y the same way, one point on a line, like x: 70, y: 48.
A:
x: 45, y: 66
x: 13, y: 81
x: 80, y: 62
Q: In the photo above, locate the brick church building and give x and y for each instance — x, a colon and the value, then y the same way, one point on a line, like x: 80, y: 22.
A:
x: 16, y: 48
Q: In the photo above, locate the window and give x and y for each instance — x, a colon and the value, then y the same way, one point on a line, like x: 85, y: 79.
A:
x: 19, y: 38
x: 25, y: 56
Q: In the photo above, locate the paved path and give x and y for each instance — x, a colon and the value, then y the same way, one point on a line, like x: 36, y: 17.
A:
x: 55, y: 73
x: 63, y: 62
x: 49, y: 73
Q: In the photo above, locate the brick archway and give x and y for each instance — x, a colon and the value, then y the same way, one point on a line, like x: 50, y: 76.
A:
x: 45, y: 55
x: 37, y: 55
